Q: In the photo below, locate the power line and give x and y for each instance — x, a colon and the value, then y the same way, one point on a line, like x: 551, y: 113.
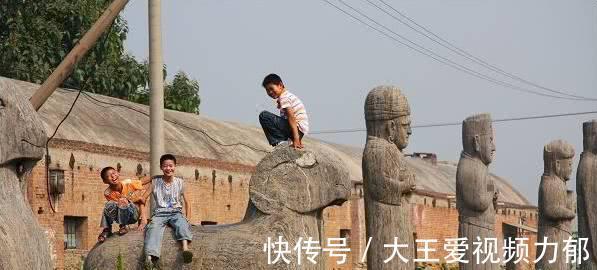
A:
x: 95, y: 101
x: 446, y: 124
x: 422, y: 50
x: 450, y: 46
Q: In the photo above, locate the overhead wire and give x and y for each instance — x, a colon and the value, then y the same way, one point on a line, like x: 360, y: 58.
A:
x: 206, y: 134
x: 422, y: 50
x: 450, y: 46
x: 446, y: 124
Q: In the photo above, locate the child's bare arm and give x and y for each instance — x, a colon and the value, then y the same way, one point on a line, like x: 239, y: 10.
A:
x: 296, y: 139
x: 147, y: 193
x: 142, y: 217
x: 187, y: 207
x: 145, y: 180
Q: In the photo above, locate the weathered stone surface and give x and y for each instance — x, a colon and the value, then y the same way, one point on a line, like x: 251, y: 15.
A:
x: 586, y: 186
x: 476, y: 194
x: 387, y: 181
x: 23, y: 244
x: 288, y: 193
x: 554, y: 212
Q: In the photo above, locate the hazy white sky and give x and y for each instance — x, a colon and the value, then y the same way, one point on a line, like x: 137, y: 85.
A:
x: 331, y: 61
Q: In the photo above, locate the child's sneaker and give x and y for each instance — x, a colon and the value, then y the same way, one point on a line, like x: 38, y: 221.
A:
x: 283, y: 143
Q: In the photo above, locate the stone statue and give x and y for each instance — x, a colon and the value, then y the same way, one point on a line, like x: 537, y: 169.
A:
x: 288, y: 192
x: 476, y: 193
x: 586, y: 186
x: 23, y: 244
x: 554, y: 214
x: 387, y: 181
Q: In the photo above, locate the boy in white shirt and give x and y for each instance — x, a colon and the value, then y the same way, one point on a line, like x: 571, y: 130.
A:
x: 292, y: 124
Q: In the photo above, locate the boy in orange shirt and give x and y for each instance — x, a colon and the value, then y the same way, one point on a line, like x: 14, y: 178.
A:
x: 125, y: 203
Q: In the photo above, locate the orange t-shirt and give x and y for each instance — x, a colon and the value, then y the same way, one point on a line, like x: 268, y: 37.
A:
x: 128, y: 188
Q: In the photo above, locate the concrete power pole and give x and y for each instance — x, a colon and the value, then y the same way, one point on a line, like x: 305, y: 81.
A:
x: 156, y: 86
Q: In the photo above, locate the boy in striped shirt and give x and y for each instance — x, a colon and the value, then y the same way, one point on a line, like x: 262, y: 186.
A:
x: 292, y: 124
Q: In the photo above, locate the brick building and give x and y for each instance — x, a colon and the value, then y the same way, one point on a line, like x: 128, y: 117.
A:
x: 103, y: 131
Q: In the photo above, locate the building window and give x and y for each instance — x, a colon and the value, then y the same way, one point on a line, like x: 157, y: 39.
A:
x: 345, y: 233
x: 74, y: 230
x: 57, y: 182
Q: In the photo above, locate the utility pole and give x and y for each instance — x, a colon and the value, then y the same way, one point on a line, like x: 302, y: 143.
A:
x: 68, y: 63
x: 156, y: 86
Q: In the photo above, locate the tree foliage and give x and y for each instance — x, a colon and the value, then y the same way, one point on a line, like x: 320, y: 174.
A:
x: 36, y: 35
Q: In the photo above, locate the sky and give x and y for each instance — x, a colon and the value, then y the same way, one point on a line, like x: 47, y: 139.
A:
x: 331, y: 61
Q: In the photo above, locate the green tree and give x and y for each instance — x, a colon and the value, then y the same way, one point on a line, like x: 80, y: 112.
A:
x: 36, y: 35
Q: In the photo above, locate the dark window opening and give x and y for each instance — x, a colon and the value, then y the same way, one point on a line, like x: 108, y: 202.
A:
x: 57, y: 182
x: 205, y: 222
x: 74, y: 230
x: 345, y: 233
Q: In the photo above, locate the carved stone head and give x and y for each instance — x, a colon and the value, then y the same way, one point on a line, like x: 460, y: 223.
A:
x: 478, y: 137
x: 302, y: 181
x: 387, y: 115
x: 558, y: 156
x: 589, y: 130
x: 21, y: 127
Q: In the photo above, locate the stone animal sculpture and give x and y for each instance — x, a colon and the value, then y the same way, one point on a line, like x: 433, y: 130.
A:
x: 554, y: 213
x: 476, y: 194
x: 287, y: 192
x: 387, y: 181
x: 586, y: 186
x: 23, y: 244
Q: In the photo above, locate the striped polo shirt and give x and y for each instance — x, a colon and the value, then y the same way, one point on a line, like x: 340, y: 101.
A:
x: 289, y: 100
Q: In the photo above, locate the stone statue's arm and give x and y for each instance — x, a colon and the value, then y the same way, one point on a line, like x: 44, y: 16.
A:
x: 407, y: 186
x: 380, y: 171
x: 555, y: 202
x: 475, y: 194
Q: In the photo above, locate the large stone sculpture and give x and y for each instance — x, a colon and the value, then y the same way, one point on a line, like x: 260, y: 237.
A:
x: 288, y: 193
x: 554, y: 214
x: 23, y: 244
x: 586, y: 186
x: 476, y: 194
x: 387, y: 181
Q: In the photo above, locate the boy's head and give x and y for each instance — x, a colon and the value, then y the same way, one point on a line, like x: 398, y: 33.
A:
x: 273, y: 85
x: 109, y: 176
x: 168, y: 164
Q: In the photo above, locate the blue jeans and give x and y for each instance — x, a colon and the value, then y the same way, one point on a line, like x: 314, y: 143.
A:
x: 276, y: 128
x: 155, y: 230
x: 123, y: 216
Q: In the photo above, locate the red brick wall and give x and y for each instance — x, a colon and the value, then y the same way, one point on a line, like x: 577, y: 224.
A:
x: 442, y: 223
x: 220, y: 199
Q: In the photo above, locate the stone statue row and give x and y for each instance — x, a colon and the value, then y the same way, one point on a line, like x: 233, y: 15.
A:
x: 388, y: 183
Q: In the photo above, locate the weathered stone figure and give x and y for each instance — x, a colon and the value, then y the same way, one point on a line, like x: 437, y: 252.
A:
x: 570, y: 204
x: 387, y: 181
x: 23, y: 244
x: 554, y: 214
x: 476, y: 194
x: 586, y: 186
x: 288, y: 193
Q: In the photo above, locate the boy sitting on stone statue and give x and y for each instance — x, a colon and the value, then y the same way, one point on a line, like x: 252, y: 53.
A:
x: 167, y: 199
x: 125, y: 204
x: 292, y: 123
